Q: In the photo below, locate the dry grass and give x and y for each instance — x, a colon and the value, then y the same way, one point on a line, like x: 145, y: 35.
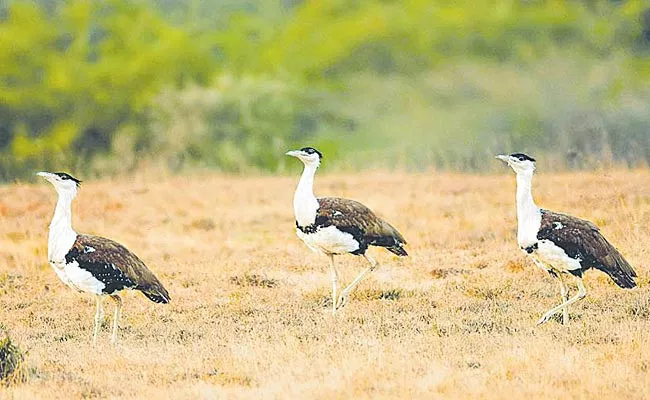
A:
x: 249, y: 314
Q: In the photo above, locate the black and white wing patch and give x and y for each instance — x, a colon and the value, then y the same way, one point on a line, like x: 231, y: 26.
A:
x: 582, y: 240
x: 100, y: 260
x: 116, y: 267
x: 358, y: 220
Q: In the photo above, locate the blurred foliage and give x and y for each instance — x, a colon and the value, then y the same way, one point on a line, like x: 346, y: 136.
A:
x: 237, y: 123
x: 232, y: 84
x: 71, y: 78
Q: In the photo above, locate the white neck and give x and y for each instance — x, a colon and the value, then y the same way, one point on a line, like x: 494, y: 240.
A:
x: 62, y: 236
x: 529, y: 217
x: 305, y: 204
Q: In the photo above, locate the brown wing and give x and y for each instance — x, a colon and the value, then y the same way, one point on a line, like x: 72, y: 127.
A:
x: 353, y: 217
x: 115, y: 266
x: 582, y: 240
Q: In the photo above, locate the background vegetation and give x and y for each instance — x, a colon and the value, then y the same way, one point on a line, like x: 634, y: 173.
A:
x: 111, y: 85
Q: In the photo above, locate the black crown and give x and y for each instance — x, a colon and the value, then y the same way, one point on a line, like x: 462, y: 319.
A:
x: 65, y: 176
x: 522, y: 157
x: 311, y: 150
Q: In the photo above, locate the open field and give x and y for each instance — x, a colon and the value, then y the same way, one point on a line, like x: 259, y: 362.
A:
x: 250, y: 313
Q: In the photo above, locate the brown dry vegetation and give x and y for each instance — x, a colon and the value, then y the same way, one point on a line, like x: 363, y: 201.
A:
x: 249, y: 315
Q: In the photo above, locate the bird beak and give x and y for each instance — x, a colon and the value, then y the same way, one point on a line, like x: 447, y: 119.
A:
x: 504, y: 158
x: 45, y: 175
x: 293, y: 153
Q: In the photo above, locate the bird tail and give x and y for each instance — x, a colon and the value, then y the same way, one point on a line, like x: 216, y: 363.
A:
x: 156, y: 293
x: 621, y: 272
x: 399, y: 250
x: 392, y: 240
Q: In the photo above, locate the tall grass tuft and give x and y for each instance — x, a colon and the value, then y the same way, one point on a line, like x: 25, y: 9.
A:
x: 12, y: 362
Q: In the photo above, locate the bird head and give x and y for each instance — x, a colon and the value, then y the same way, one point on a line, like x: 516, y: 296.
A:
x: 63, y: 183
x: 519, y: 162
x: 308, y: 155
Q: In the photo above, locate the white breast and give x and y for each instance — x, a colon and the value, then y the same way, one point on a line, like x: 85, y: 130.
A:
x: 547, y: 252
x: 527, y: 228
x: 59, y: 244
x: 329, y: 240
x: 305, y: 210
x: 78, y: 278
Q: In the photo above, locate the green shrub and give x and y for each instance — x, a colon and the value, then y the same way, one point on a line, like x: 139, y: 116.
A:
x: 12, y: 367
x: 237, y: 123
x: 231, y: 84
x: 72, y: 78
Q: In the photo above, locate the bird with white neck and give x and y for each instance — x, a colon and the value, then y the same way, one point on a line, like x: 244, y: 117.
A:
x: 561, y: 244
x: 94, y: 264
x: 333, y: 226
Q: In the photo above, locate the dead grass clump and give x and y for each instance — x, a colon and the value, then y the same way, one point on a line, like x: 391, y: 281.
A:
x: 253, y: 280
x: 228, y: 379
x: 204, y: 224
x: 16, y: 236
x: 484, y: 326
x: 12, y: 368
x: 325, y: 301
x: 640, y: 309
x: 319, y: 299
x: 379, y: 294
x: 9, y: 282
x: 64, y: 338
x: 473, y: 364
x: 484, y: 293
x: 515, y: 266
x: 186, y: 336
x: 442, y: 273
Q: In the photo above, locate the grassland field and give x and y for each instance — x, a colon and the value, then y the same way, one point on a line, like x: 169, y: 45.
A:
x: 250, y: 313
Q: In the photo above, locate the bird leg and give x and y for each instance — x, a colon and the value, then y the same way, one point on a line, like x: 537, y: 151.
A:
x: 99, y: 315
x: 564, y: 292
x: 116, y: 317
x: 346, y: 292
x: 540, y: 264
x: 335, y: 282
x: 582, y: 292
x: 564, y: 289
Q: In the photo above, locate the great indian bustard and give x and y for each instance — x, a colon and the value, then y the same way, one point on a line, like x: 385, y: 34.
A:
x: 94, y: 264
x: 562, y: 244
x: 337, y: 226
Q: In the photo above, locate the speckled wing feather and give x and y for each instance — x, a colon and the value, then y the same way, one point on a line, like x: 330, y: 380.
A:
x: 582, y: 240
x: 358, y: 220
x: 116, y: 267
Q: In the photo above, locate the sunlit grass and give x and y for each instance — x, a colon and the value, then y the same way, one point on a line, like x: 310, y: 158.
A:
x: 250, y: 312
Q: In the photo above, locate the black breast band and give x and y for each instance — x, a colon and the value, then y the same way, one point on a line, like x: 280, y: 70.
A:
x: 321, y: 222
x: 307, y: 229
x: 530, y: 248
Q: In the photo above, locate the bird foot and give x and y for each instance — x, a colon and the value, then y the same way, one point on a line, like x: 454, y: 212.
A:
x: 545, y: 318
x: 343, y: 300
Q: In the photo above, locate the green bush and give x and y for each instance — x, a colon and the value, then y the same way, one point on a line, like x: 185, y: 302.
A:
x: 237, y: 123
x: 71, y: 79
x: 12, y: 368
x: 231, y: 84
